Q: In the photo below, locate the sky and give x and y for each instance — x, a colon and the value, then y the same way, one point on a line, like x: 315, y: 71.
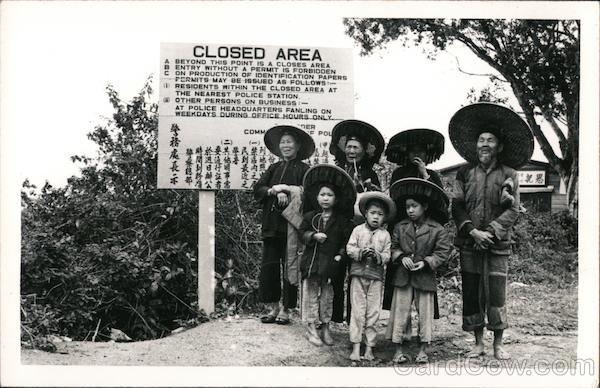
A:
x: 58, y: 59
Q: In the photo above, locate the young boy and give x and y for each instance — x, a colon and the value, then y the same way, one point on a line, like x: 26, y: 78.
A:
x: 325, y: 232
x: 420, y: 244
x: 369, y: 248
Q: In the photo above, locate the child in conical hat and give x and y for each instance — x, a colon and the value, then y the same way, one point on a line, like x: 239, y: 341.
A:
x: 420, y: 244
x: 328, y: 202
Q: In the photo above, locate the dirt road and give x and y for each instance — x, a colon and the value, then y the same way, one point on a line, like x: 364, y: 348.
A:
x: 540, y: 330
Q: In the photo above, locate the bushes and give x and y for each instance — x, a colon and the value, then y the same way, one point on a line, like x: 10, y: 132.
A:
x: 545, y: 248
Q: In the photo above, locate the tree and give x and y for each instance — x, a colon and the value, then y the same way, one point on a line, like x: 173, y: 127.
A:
x: 539, y: 59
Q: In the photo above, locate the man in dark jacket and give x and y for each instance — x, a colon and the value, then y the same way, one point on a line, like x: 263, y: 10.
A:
x: 495, y: 141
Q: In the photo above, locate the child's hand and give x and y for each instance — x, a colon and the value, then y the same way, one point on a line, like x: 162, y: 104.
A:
x: 377, y: 257
x: 408, y: 263
x: 418, y: 265
x: 337, y: 257
x: 320, y: 237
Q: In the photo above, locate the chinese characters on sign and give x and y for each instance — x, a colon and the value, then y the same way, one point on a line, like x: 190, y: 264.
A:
x: 217, y: 101
x: 532, y: 178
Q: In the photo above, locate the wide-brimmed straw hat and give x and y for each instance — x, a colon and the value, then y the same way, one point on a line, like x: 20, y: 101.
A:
x: 320, y: 174
x: 305, y: 141
x: 377, y: 195
x: 469, y: 122
x: 365, y: 133
x: 400, y: 144
x: 420, y: 188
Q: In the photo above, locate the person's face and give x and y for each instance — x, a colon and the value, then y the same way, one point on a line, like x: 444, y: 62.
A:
x: 414, y: 209
x: 288, y: 147
x: 488, y: 147
x: 375, y: 216
x: 416, y: 151
x: 326, y: 198
x: 354, y: 151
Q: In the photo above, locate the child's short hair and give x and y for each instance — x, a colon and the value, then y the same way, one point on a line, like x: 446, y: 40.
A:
x: 330, y: 186
x: 421, y: 199
x: 379, y: 203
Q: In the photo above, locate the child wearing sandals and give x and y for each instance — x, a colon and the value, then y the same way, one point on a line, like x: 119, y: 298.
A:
x: 329, y: 198
x: 420, y: 244
x: 369, y: 248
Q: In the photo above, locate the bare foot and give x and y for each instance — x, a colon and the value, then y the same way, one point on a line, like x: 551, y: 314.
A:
x: 355, y: 355
x: 400, y: 357
x: 326, y: 335
x: 369, y: 354
x: 476, y: 351
x: 500, y: 353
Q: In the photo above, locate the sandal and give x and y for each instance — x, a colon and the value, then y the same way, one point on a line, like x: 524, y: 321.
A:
x: 281, y: 321
x: 422, y: 358
x: 401, y: 359
x: 268, y: 319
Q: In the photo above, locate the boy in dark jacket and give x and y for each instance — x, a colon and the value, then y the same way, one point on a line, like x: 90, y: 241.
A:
x: 325, y: 231
x: 421, y: 244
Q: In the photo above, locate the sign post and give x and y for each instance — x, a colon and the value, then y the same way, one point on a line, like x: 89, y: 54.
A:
x: 217, y: 102
x: 206, y: 251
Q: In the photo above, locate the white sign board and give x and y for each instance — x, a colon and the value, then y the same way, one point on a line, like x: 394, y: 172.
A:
x: 532, y: 178
x: 217, y: 101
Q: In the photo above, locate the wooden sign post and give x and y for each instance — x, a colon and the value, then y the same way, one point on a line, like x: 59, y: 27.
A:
x: 206, y: 251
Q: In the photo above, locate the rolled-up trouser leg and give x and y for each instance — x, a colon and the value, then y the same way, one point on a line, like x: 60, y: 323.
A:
x: 496, y: 313
x: 473, y: 314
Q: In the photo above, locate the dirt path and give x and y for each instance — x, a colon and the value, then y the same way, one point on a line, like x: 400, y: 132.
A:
x: 540, y: 331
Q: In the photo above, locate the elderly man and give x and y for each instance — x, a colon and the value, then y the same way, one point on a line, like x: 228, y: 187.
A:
x: 485, y: 205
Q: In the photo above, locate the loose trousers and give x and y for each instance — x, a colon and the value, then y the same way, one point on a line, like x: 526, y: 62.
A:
x: 317, y: 300
x: 399, y: 327
x: 366, y: 301
x: 484, y: 289
x: 270, y: 282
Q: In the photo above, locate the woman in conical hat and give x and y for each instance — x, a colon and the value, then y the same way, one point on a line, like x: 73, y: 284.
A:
x: 329, y: 197
x: 413, y: 150
x: 279, y: 192
x: 357, y: 146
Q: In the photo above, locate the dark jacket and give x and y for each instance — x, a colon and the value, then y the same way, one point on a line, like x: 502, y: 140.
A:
x: 318, y: 257
x: 429, y: 243
x: 365, y: 172
x: 289, y: 173
x: 412, y: 171
x: 476, y: 204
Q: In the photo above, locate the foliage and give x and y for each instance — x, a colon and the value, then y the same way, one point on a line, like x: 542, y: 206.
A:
x: 539, y: 59
x: 109, y: 250
x: 545, y: 249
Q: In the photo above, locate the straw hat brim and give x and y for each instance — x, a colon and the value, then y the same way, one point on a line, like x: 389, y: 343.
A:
x: 370, y: 136
x: 514, y: 133
x: 273, y: 137
x: 327, y: 173
x: 371, y: 195
x: 417, y: 187
x: 399, y: 145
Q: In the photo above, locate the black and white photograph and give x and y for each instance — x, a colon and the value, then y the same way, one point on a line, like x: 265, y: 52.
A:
x: 300, y: 193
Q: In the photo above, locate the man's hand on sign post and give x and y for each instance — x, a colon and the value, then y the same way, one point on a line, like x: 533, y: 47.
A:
x: 282, y: 199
